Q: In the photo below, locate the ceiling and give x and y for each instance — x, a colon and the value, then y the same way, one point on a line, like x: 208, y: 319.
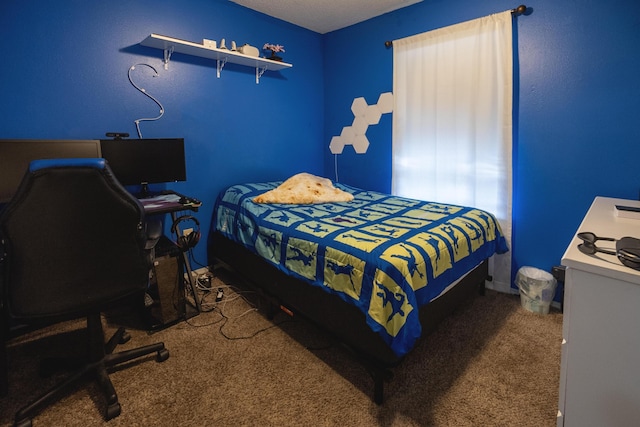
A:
x: 323, y: 16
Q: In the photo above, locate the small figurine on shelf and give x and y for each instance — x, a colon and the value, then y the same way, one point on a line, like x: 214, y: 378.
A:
x: 273, y: 49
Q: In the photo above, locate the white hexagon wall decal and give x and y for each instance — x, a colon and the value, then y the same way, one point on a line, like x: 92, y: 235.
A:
x: 363, y: 116
x: 385, y: 102
x: 336, y: 145
x: 360, y: 125
x: 373, y: 115
x: 361, y: 144
x: 358, y: 106
x: 347, y: 135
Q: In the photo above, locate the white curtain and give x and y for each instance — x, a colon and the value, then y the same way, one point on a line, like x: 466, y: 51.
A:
x: 452, y: 121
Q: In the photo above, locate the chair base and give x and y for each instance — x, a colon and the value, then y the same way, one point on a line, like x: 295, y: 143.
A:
x: 100, y: 358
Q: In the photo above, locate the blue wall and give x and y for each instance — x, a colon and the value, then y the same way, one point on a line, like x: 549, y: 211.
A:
x: 64, y: 76
x: 577, y: 131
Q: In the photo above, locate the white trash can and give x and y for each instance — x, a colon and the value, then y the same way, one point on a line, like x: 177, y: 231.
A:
x: 537, y: 288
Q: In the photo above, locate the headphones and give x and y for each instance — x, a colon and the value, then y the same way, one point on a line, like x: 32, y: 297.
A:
x: 191, y: 240
x: 627, y: 248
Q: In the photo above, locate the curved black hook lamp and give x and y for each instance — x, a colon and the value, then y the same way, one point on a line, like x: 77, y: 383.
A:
x: 145, y: 93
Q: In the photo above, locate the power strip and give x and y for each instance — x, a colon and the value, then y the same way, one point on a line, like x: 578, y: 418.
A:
x: 202, y: 271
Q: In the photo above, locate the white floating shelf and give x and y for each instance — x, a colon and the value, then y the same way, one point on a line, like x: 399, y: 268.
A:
x: 222, y: 56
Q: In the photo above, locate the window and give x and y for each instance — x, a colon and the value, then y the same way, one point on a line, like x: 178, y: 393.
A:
x: 452, y: 122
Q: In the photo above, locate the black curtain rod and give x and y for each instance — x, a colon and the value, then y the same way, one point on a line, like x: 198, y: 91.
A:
x: 520, y: 10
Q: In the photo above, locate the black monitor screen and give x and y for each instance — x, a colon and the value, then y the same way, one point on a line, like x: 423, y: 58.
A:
x: 145, y: 161
x: 16, y: 154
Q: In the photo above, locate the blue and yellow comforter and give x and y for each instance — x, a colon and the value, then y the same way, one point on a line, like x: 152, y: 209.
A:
x: 386, y: 255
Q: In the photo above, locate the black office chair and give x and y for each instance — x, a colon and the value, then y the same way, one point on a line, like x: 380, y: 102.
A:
x: 74, y: 245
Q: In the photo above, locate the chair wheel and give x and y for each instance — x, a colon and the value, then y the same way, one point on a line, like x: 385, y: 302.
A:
x: 23, y: 423
x: 113, y: 411
x: 126, y: 336
x: 162, y: 355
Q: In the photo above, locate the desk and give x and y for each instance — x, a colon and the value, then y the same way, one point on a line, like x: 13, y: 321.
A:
x: 170, y: 202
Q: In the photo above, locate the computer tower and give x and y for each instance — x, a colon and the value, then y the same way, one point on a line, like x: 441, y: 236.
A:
x: 166, y: 286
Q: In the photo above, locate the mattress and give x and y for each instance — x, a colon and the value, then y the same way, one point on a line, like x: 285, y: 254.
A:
x: 384, y: 254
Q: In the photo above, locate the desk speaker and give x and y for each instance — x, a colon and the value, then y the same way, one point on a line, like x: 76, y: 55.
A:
x: 166, y: 286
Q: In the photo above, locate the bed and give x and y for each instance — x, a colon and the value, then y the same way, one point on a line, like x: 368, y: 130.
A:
x: 377, y: 272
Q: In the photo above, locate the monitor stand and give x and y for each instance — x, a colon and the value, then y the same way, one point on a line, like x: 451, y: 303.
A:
x: 145, y: 193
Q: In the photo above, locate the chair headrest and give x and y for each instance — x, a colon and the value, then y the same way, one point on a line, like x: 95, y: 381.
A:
x: 97, y: 163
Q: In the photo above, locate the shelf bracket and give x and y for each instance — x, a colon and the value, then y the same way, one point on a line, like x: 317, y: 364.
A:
x: 259, y: 72
x: 167, y: 56
x: 220, y: 65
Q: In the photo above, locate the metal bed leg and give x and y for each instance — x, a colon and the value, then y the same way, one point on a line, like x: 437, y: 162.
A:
x: 271, y: 311
x: 482, y: 287
x: 379, y: 375
x: 378, y: 390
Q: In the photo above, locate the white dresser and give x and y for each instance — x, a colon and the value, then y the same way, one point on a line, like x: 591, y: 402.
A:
x: 600, y: 368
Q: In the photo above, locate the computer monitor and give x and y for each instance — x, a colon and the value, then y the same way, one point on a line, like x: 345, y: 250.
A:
x: 145, y: 161
x: 16, y: 154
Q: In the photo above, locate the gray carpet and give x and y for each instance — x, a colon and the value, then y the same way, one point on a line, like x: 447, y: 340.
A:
x: 491, y: 363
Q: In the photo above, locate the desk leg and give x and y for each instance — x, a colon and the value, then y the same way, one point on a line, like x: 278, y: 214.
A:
x: 187, y: 267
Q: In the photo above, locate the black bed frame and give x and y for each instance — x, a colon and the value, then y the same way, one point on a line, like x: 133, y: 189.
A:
x: 343, y: 321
